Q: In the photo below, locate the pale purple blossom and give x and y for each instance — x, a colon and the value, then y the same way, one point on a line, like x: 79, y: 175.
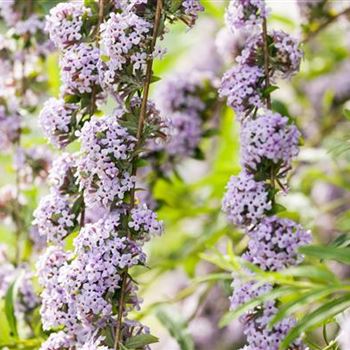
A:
x: 274, y: 243
x: 79, y: 71
x: 269, y: 138
x: 245, y: 13
x: 54, y: 217
x: 65, y: 22
x: 243, y: 85
x: 144, y: 222
x: 56, y: 121
x: 246, y: 201
x: 104, y: 146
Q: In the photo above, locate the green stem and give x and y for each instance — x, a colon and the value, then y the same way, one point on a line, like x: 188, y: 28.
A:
x: 140, y: 128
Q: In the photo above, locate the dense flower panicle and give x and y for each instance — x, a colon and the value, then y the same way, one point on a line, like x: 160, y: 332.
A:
x: 8, y: 12
x: 284, y: 51
x: 144, y: 222
x: 58, y: 341
x: 62, y: 173
x: 54, y: 218
x: 274, y: 243
x: 260, y: 336
x: 269, y: 137
x: 123, y: 39
x: 245, y: 13
x: 244, y: 292
x: 242, y: 85
x: 56, y: 120
x: 104, y: 146
x: 246, y: 201
x: 10, y: 126
x: 79, y: 71
x: 181, y: 93
x: 84, y: 286
x: 184, y: 135
x: 65, y: 23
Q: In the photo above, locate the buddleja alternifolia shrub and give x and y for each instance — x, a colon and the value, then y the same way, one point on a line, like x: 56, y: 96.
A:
x: 269, y: 142
x: 106, y: 53
x: 24, y: 46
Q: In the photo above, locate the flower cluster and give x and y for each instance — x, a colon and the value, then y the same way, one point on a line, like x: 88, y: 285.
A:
x: 188, y: 101
x: 54, y: 218
x: 274, y: 243
x: 284, y: 49
x: 79, y: 69
x: 65, y: 23
x: 245, y: 200
x: 56, y: 121
x: 105, y: 146
x: 269, y: 138
x: 269, y: 143
x: 244, y: 85
x: 245, y: 13
x: 104, y: 52
x: 85, y: 285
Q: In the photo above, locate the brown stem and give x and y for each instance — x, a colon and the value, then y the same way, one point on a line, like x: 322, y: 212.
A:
x: 266, y: 63
x: 325, y: 24
x: 141, y: 122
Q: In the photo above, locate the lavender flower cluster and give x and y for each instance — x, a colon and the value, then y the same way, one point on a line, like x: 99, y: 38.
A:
x: 88, y: 292
x: 187, y: 100
x: 269, y: 143
x: 244, y: 85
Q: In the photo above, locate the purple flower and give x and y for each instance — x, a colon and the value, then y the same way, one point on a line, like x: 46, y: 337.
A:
x: 184, y: 135
x: 56, y: 120
x: 246, y: 201
x: 65, y: 23
x: 269, y: 137
x: 144, y: 222
x: 245, y: 13
x: 242, y: 85
x: 54, y: 217
x: 62, y: 173
x: 285, y: 55
x: 274, y: 243
x: 79, y: 69
x: 104, y: 146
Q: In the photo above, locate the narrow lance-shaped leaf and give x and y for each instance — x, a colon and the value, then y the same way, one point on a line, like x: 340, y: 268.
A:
x: 323, y: 313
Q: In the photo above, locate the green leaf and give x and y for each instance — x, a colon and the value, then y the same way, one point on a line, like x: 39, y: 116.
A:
x: 10, y: 309
x: 322, y: 314
x: 250, y: 305
x: 177, y: 328
x: 327, y: 253
x: 300, y: 301
x: 269, y: 90
x: 139, y: 341
x: 71, y: 98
